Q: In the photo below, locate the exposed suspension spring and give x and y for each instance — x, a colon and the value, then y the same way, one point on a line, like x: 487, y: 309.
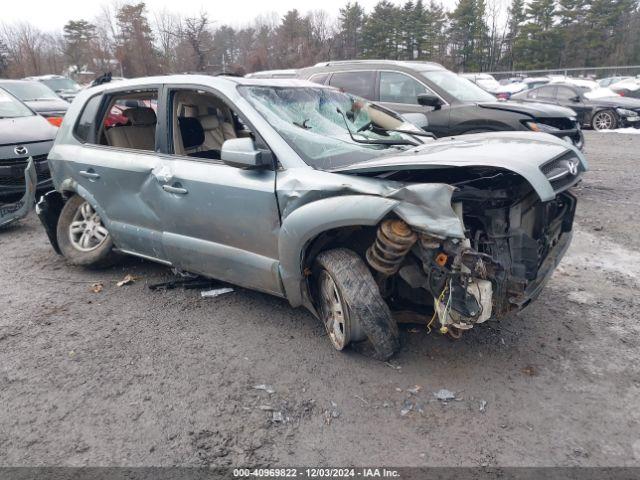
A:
x: 393, y: 241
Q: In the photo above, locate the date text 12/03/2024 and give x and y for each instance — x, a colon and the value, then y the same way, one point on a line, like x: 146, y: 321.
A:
x: 316, y: 472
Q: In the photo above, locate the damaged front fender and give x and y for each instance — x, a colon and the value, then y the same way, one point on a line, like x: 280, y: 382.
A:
x: 312, y: 202
x: 11, y: 212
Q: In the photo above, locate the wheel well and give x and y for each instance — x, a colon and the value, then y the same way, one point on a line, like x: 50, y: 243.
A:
x: 354, y: 237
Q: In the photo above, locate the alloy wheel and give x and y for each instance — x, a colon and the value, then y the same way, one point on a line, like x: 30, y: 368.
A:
x: 603, y: 121
x: 86, y: 231
x: 333, y: 311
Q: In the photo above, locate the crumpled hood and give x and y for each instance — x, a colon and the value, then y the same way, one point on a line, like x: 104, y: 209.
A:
x: 519, y: 152
x: 533, y: 109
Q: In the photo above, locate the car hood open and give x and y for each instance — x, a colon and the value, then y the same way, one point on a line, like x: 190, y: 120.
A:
x: 533, y: 109
x: 520, y: 152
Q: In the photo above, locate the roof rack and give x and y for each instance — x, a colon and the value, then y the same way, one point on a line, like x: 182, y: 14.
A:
x: 391, y: 62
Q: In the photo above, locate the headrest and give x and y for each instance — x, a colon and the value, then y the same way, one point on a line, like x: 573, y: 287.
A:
x: 140, y: 116
x: 189, y: 111
x: 191, y: 132
x: 209, y: 122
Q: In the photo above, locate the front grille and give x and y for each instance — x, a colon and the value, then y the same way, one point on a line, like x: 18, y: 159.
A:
x: 562, y: 172
x: 16, y: 178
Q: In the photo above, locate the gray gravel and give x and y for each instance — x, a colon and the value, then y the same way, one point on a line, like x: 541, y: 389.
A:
x: 128, y: 376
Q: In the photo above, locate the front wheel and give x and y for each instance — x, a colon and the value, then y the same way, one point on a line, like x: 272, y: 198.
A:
x: 351, y: 307
x: 604, y: 120
x: 82, y: 238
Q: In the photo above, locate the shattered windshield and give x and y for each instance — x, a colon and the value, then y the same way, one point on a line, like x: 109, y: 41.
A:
x: 318, y: 123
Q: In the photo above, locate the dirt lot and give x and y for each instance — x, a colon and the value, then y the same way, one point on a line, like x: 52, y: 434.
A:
x: 128, y: 376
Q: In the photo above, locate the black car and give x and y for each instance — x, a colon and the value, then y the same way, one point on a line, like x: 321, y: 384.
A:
x: 452, y: 104
x: 64, y: 87
x: 40, y: 98
x: 23, y: 134
x: 593, y: 110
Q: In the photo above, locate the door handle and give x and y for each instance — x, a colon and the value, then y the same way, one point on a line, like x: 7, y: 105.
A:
x: 90, y: 174
x: 177, y: 190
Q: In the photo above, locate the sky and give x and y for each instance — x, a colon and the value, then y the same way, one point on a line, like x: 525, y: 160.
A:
x: 52, y: 15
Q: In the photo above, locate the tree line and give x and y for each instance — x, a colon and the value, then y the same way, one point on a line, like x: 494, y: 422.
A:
x: 476, y: 35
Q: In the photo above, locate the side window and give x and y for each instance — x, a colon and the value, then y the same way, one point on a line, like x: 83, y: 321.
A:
x: 397, y: 87
x: 357, y: 83
x: 320, y: 78
x: 543, y: 92
x: 201, y: 122
x: 84, y: 127
x: 130, y: 121
x: 565, y: 93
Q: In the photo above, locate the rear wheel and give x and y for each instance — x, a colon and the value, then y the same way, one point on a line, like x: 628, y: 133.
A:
x: 82, y: 238
x: 351, y: 307
x: 604, y: 120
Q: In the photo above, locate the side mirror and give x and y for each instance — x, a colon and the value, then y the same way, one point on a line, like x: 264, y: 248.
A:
x: 575, y: 99
x: 241, y: 152
x: 428, y: 100
x: 418, y: 119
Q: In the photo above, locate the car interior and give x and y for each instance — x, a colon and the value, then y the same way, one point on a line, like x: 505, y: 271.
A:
x: 201, y: 123
x: 131, y: 121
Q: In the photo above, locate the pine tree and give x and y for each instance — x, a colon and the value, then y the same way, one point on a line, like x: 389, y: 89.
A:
x: 433, y: 42
x: 468, y: 32
x: 351, y: 21
x: 380, y: 32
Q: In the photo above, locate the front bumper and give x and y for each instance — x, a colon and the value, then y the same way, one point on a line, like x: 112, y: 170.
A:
x: 574, y: 136
x: 10, y: 212
x: 12, y: 178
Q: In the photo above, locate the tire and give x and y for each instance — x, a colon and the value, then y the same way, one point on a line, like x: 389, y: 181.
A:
x: 367, y: 321
x: 98, y: 250
x: 604, y: 120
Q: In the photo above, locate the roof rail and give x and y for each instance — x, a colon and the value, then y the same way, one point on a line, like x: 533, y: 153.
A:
x: 372, y: 61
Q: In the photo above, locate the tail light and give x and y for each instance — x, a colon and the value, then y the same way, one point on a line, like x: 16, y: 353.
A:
x: 55, y: 121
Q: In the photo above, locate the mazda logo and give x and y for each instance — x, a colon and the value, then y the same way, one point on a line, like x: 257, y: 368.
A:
x: 20, y: 150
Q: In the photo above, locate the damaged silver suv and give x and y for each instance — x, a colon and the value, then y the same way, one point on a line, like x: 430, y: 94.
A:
x: 314, y: 195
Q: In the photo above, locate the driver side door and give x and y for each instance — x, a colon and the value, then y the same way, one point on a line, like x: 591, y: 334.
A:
x: 220, y: 221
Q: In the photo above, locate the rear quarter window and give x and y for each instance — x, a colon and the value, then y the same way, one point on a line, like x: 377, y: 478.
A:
x: 85, y: 125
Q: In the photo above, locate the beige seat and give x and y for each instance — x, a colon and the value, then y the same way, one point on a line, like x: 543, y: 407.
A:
x: 140, y: 135
x: 215, y: 131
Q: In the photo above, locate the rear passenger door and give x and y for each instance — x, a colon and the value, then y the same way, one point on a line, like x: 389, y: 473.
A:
x: 114, y: 163
x: 360, y: 83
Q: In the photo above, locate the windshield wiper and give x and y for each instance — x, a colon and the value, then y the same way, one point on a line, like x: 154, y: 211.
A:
x: 372, y: 141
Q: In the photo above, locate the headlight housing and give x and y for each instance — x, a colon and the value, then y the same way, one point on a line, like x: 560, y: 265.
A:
x: 626, y: 113
x: 540, y: 127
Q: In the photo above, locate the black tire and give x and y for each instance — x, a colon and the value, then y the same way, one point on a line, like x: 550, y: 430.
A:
x: 100, y: 256
x: 602, y: 118
x: 361, y: 300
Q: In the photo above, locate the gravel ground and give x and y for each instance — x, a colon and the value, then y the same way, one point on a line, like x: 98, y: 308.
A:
x: 128, y: 376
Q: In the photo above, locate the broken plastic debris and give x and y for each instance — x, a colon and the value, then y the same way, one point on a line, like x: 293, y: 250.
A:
x: 216, y: 292
x: 444, y: 395
x: 414, y: 390
x: 95, y: 287
x: 483, y: 405
x: 277, y: 417
x: 267, y: 388
x: 266, y: 408
x: 126, y: 280
x: 407, y: 406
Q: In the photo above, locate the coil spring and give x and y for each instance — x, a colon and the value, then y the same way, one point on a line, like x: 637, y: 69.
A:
x: 393, y: 241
